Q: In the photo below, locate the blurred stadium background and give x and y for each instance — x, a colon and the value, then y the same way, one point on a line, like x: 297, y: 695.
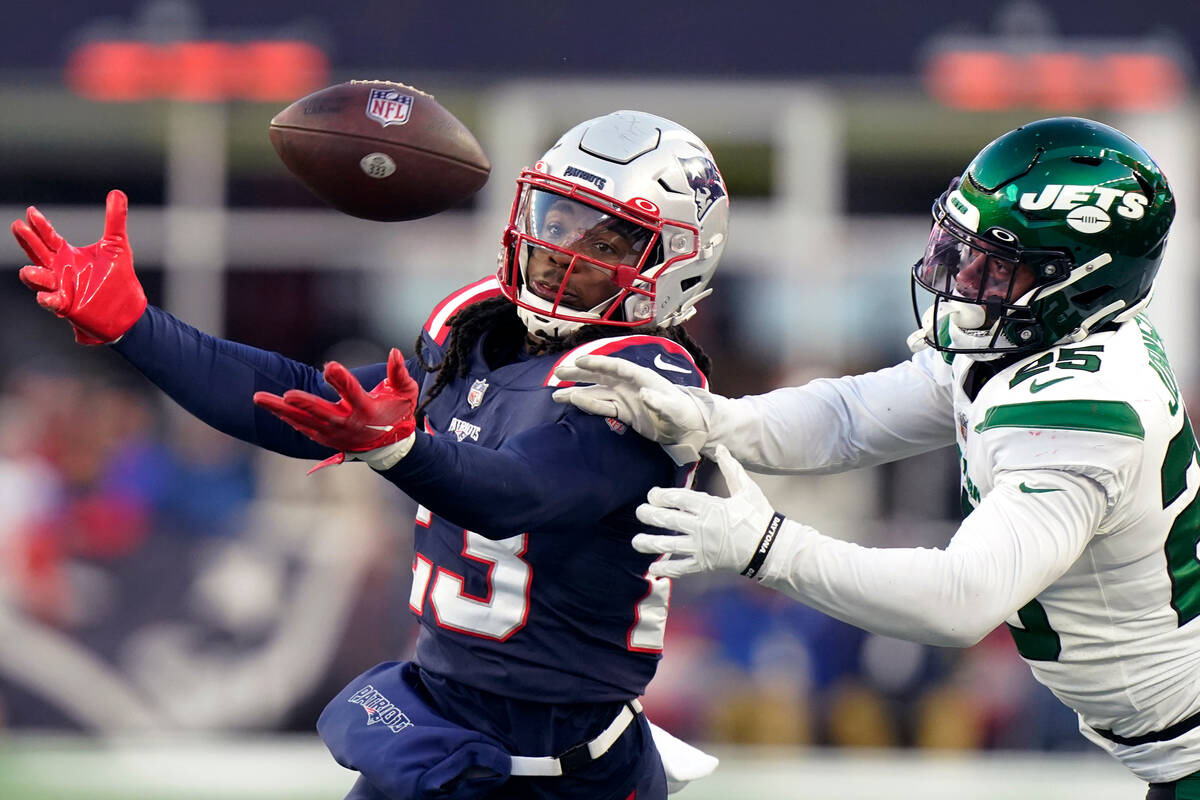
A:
x: 175, y: 608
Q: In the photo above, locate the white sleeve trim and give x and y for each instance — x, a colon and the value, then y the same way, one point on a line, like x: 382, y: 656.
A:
x: 1014, y: 545
x: 388, y: 456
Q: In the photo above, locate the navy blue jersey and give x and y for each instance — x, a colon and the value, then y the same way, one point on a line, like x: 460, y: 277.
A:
x: 524, y: 580
x: 533, y: 590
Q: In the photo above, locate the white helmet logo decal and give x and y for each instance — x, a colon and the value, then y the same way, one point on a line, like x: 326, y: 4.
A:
x: 1059, y: 197
x: 963, y: 210
x: 707, y: 185
x: 1088, y: 219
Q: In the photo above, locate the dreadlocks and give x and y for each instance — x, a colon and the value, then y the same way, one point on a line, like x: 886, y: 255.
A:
x: 498, y: 316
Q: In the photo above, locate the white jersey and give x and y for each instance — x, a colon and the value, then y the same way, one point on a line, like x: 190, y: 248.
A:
x: 1080, y: 473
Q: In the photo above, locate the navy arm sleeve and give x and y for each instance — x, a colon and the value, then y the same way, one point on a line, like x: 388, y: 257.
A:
x: 215, y: 380
x: 556, y: 477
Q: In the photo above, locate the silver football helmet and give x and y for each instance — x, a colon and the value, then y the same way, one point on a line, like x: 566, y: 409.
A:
x: 621, y: 223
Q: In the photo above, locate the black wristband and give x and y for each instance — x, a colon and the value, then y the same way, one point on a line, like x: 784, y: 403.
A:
x: 764, y: 546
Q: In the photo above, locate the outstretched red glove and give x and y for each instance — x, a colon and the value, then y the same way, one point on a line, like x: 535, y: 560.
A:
x: 93, y: 287
x: 361, y: 421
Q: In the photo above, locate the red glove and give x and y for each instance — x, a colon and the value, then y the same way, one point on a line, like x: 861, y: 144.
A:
x: 361, y: 420
x: 93, y: 287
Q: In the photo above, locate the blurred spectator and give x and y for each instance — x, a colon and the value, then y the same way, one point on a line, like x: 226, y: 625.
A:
x: 156, y: 575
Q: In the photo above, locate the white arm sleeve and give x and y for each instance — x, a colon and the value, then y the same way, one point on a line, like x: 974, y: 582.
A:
x: 1008, y: 550
x: 836, y: 425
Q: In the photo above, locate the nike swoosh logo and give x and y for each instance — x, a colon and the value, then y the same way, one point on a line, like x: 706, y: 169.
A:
x: 384, y: 428
x: 662, y: 363
x: 1031, y: 490
x: 1037, y: 387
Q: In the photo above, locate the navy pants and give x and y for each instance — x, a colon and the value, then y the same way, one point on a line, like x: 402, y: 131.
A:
x: 630, y: 770
x: 649, y: 783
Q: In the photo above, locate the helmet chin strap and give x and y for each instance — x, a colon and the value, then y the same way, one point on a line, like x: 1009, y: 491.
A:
x: 544, y: 326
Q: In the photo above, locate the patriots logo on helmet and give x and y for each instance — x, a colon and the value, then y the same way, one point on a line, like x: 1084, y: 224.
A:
x: 707, y: 185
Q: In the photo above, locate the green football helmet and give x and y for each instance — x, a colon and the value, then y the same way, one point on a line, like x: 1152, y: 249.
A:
x: 1054, y: 230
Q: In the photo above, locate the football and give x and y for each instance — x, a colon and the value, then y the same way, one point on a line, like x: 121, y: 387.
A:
x: 379, y: 150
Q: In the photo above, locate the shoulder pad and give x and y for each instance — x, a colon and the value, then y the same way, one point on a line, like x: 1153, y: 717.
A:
x: 436, y: 326
x: 667, y: 358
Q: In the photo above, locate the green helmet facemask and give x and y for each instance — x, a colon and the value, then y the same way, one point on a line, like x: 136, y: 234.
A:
x: 1054, y: 230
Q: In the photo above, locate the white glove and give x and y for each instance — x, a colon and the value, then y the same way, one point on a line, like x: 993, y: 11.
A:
x: 656, y: 408
x: 732, y: 533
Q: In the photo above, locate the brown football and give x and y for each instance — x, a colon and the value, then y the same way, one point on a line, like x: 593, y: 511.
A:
x: 379, y: 150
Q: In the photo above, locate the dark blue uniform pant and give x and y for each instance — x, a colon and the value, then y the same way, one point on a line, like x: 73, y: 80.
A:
x: 649, y: 783
x: 630, y: 770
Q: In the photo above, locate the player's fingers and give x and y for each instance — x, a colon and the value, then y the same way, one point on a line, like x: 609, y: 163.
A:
x: 688, y: 500
x: 267, y: 400
x: 670, y: 519
x: 298, y: 418
x: 397, y: 373
x: 62, y: 297
x: 659, y: 543
x: 319, y: 410
x: 273, y: 403
x: 38, y: 278
x: 31, y: 243
x: 564, y: 395
x: 116, y: 210
x: 573, y: 374
x: 346, y: 385
x: 608, y: 370
x: 53, y: 302
x: 601, y: 402
x: 45, y: 231
x: 674, y: 567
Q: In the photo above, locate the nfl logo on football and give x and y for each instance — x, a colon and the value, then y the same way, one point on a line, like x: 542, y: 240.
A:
x: 388, y: 107
x: 475, y: 393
